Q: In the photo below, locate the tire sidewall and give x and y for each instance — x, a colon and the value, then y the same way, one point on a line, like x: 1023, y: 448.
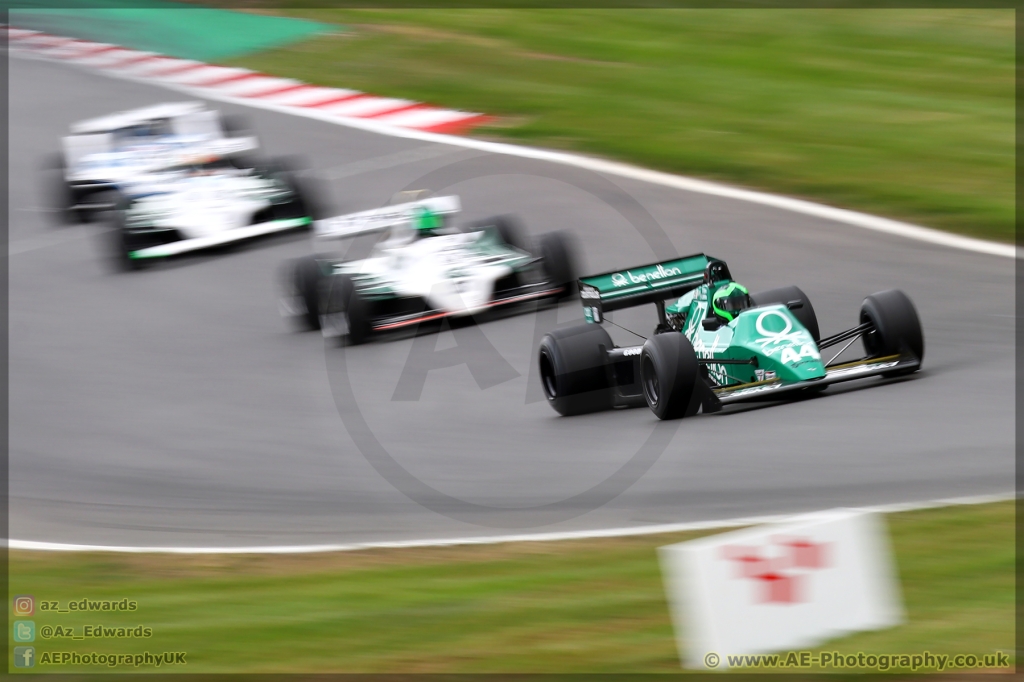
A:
x: 671, y: 358
x: 578, y: 367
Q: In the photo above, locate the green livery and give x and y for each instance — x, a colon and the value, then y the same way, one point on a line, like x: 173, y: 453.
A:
x: 715, y: 343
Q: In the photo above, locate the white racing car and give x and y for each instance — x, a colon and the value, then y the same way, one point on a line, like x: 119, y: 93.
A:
x: 203, y: 202
x: 422, y: 269
x: 104, y: 153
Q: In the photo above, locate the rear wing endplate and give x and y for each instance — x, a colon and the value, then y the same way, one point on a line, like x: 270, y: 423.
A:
x: 380, y: 219
x: 76, y: 147
x: 631, y: 287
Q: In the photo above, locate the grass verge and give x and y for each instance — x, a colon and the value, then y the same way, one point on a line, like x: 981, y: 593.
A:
x: 580, y: 606
x: 903, y: 113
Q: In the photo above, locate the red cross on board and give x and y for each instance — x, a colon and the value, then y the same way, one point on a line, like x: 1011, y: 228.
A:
x: 778, y: 588
x: 749, y: 561
x: 806, y: 554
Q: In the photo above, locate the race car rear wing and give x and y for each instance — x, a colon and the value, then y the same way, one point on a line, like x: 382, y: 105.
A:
x: 132, y: 117
x: 380, y: 219
x: 631, y: 287
x: 162, y: 155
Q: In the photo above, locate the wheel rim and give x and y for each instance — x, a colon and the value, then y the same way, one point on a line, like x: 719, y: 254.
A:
x: 872, y: 340
x: 547, y: 376
x: 650, y: 379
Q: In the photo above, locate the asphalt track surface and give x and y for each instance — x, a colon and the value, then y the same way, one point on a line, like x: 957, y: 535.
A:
x: 175, y: 407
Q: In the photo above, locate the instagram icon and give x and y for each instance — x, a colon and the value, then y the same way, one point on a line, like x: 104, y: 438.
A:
x: 24, y: 605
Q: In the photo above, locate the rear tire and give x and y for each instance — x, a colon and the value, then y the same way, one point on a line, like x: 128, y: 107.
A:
x: 897, y: 327
x: 784, y: 295
x: 573, y: 369
x: 557, y: 261
x: 669, y: 374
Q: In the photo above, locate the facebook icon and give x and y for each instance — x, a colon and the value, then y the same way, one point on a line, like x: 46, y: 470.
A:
x: 24, y: 656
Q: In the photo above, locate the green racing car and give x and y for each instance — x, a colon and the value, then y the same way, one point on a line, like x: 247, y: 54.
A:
x: 715, y: 343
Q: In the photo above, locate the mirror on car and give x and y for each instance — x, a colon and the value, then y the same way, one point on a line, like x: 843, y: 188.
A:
x: 711, y: 323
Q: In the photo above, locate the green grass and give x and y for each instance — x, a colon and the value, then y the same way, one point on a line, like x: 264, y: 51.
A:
x: 582, y: 606
x: 903, y: 113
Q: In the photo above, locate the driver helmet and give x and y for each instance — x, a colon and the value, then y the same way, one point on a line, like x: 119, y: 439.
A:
x: 729, y: 300
x: 426, y: 220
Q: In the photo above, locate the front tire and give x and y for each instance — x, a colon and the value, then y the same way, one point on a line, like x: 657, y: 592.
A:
x: 120, y: 239
x: 669, y: 374
x: 508, y: 230
x: 897, y: 327
x: 573, y: 369
x: 357, y: 310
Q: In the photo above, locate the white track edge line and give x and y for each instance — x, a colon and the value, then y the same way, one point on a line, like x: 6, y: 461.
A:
x: 855, y: 218
x: 501, y: 539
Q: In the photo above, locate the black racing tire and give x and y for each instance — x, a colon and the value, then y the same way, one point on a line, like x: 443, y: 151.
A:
x: 897, y: 327
x: 785, y: 295
x: 120, y: 240
x: 308, y: 280
x: 341, y: 296
x: 60, y: 197
x: 670, y: 376
x: 508, y: 228
x: 299, y: 206
x: 303, y: 203
x: 573, y: 365
x: 557, y: 260
x: 233, y: 125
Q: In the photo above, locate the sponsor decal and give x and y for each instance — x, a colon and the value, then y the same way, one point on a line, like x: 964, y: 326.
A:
x: 660, y: 272
x: 588, y: 292
x: 785, y: 342
x: 636, y: 350
x: 764, y: 374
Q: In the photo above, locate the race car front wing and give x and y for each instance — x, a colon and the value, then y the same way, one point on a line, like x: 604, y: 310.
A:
x: 624, y: 369
x: 335, y: 324
x: 858, y: 369
x: 226, y: 237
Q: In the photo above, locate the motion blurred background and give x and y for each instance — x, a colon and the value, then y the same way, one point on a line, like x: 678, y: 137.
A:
x: 907, y: 114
